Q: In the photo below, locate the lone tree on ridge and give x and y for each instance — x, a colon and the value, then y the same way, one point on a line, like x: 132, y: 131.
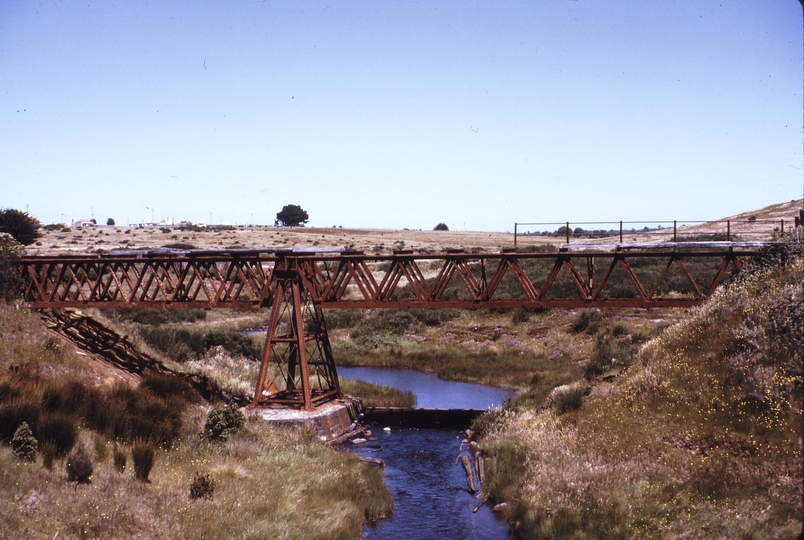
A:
x: 292, y: 216
x: 441, y: 227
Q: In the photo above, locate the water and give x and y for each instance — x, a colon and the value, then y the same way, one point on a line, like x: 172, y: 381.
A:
x: 429, y: 489
x: 430, y: 391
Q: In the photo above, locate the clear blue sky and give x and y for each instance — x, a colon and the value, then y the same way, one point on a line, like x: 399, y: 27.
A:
x: 400, y: 114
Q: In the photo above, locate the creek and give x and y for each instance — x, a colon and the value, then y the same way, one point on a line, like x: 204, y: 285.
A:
x: 429, y: 488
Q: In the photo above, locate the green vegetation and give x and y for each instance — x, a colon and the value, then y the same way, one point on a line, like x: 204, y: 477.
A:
x: 78, y: 466
x: 376, y: 395
x: 292, y: 215
x: 10, y: 251
x: 21, y: 226
x: 23, y: 444
x: 699, y: 437
x: 222, y: 421
x: 305, y: 489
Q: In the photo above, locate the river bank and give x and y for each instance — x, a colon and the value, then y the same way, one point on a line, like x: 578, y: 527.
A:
x: 699, y: 438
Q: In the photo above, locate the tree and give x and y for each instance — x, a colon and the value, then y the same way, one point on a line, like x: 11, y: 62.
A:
x: 441, y: 227
x: 292, y: 216
x: 24, y: 228
x: 110, y: 221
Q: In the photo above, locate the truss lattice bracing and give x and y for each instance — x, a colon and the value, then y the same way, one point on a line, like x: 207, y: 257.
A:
x: 297, y: 366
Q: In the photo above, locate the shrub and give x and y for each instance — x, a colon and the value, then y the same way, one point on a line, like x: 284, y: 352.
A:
x: 119, y: 458
x: 13, y: 414
x: 9, y: 391
x: 79, y: 466
x: 24, y: 228
x: 23, y: 443
x: 587, y: 319
x: 441, y: 227
x: 48, y: 455
x: 52, y: 398
x: 222, y: 421
x: 619, y: 329
x: 10, y: 281
x: 568, y: 397
x: 142, y: 454
x: 234, y: 342
x: 176, y: 343
x: 521, y: 315
x: 202, y: 487
x: 59, y: 430
x: 608, y: 353
x: 169, y: 386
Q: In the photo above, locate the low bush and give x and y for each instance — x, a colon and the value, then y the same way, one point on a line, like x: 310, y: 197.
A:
x: 58, y: 430
x: 79, y: 466
x: 9, y: 391
x: 119, y: 458
x: 234, y: 342
x: 608, y: 353
x: 23, y: 443
x: 143, y: 454
x: 202, y: 487
x: 169, y: 386
x: 177, y: 343
x: 48, y: 455
x: 587, y: 320
x: 13, y: 414
x: 568, y: 397
x: 222, y: 421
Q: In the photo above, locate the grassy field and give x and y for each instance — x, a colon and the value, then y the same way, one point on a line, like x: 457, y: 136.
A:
x: 67, y: 239
x: 700, y: 437
x: 267, y: 483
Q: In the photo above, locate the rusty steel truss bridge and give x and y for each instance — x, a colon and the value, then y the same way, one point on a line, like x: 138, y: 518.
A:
x: 297, y: 367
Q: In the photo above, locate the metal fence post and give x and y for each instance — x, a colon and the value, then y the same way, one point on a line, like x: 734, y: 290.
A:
x: 674, y: 230
x: 568, y: 232
x: 621, y: 232
x: 515, y: 224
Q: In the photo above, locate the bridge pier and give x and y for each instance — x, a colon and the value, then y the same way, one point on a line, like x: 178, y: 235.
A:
x: 297, y: 368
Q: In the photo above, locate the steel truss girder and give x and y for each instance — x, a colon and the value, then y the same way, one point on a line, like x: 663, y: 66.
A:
x: 354, y: 281
x: 297, y: 368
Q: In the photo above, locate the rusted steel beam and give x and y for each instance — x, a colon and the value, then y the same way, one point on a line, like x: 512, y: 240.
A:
x: 297, y: 367
x: 355, y: 280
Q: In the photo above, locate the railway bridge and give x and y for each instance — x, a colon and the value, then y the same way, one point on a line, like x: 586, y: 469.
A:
x: 297, y: 367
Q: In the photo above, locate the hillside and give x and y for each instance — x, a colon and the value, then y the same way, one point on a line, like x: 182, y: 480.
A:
x: 700, y: 437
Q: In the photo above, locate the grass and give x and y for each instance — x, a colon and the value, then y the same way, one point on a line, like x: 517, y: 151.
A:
x: 699, y: 438
x: 268, y: 483
x: 376, y: 395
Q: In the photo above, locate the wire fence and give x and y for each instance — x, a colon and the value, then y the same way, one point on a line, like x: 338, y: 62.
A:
x: 623, y: 232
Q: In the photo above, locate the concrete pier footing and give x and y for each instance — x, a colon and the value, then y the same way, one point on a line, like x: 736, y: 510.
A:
x: 331, y: 420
